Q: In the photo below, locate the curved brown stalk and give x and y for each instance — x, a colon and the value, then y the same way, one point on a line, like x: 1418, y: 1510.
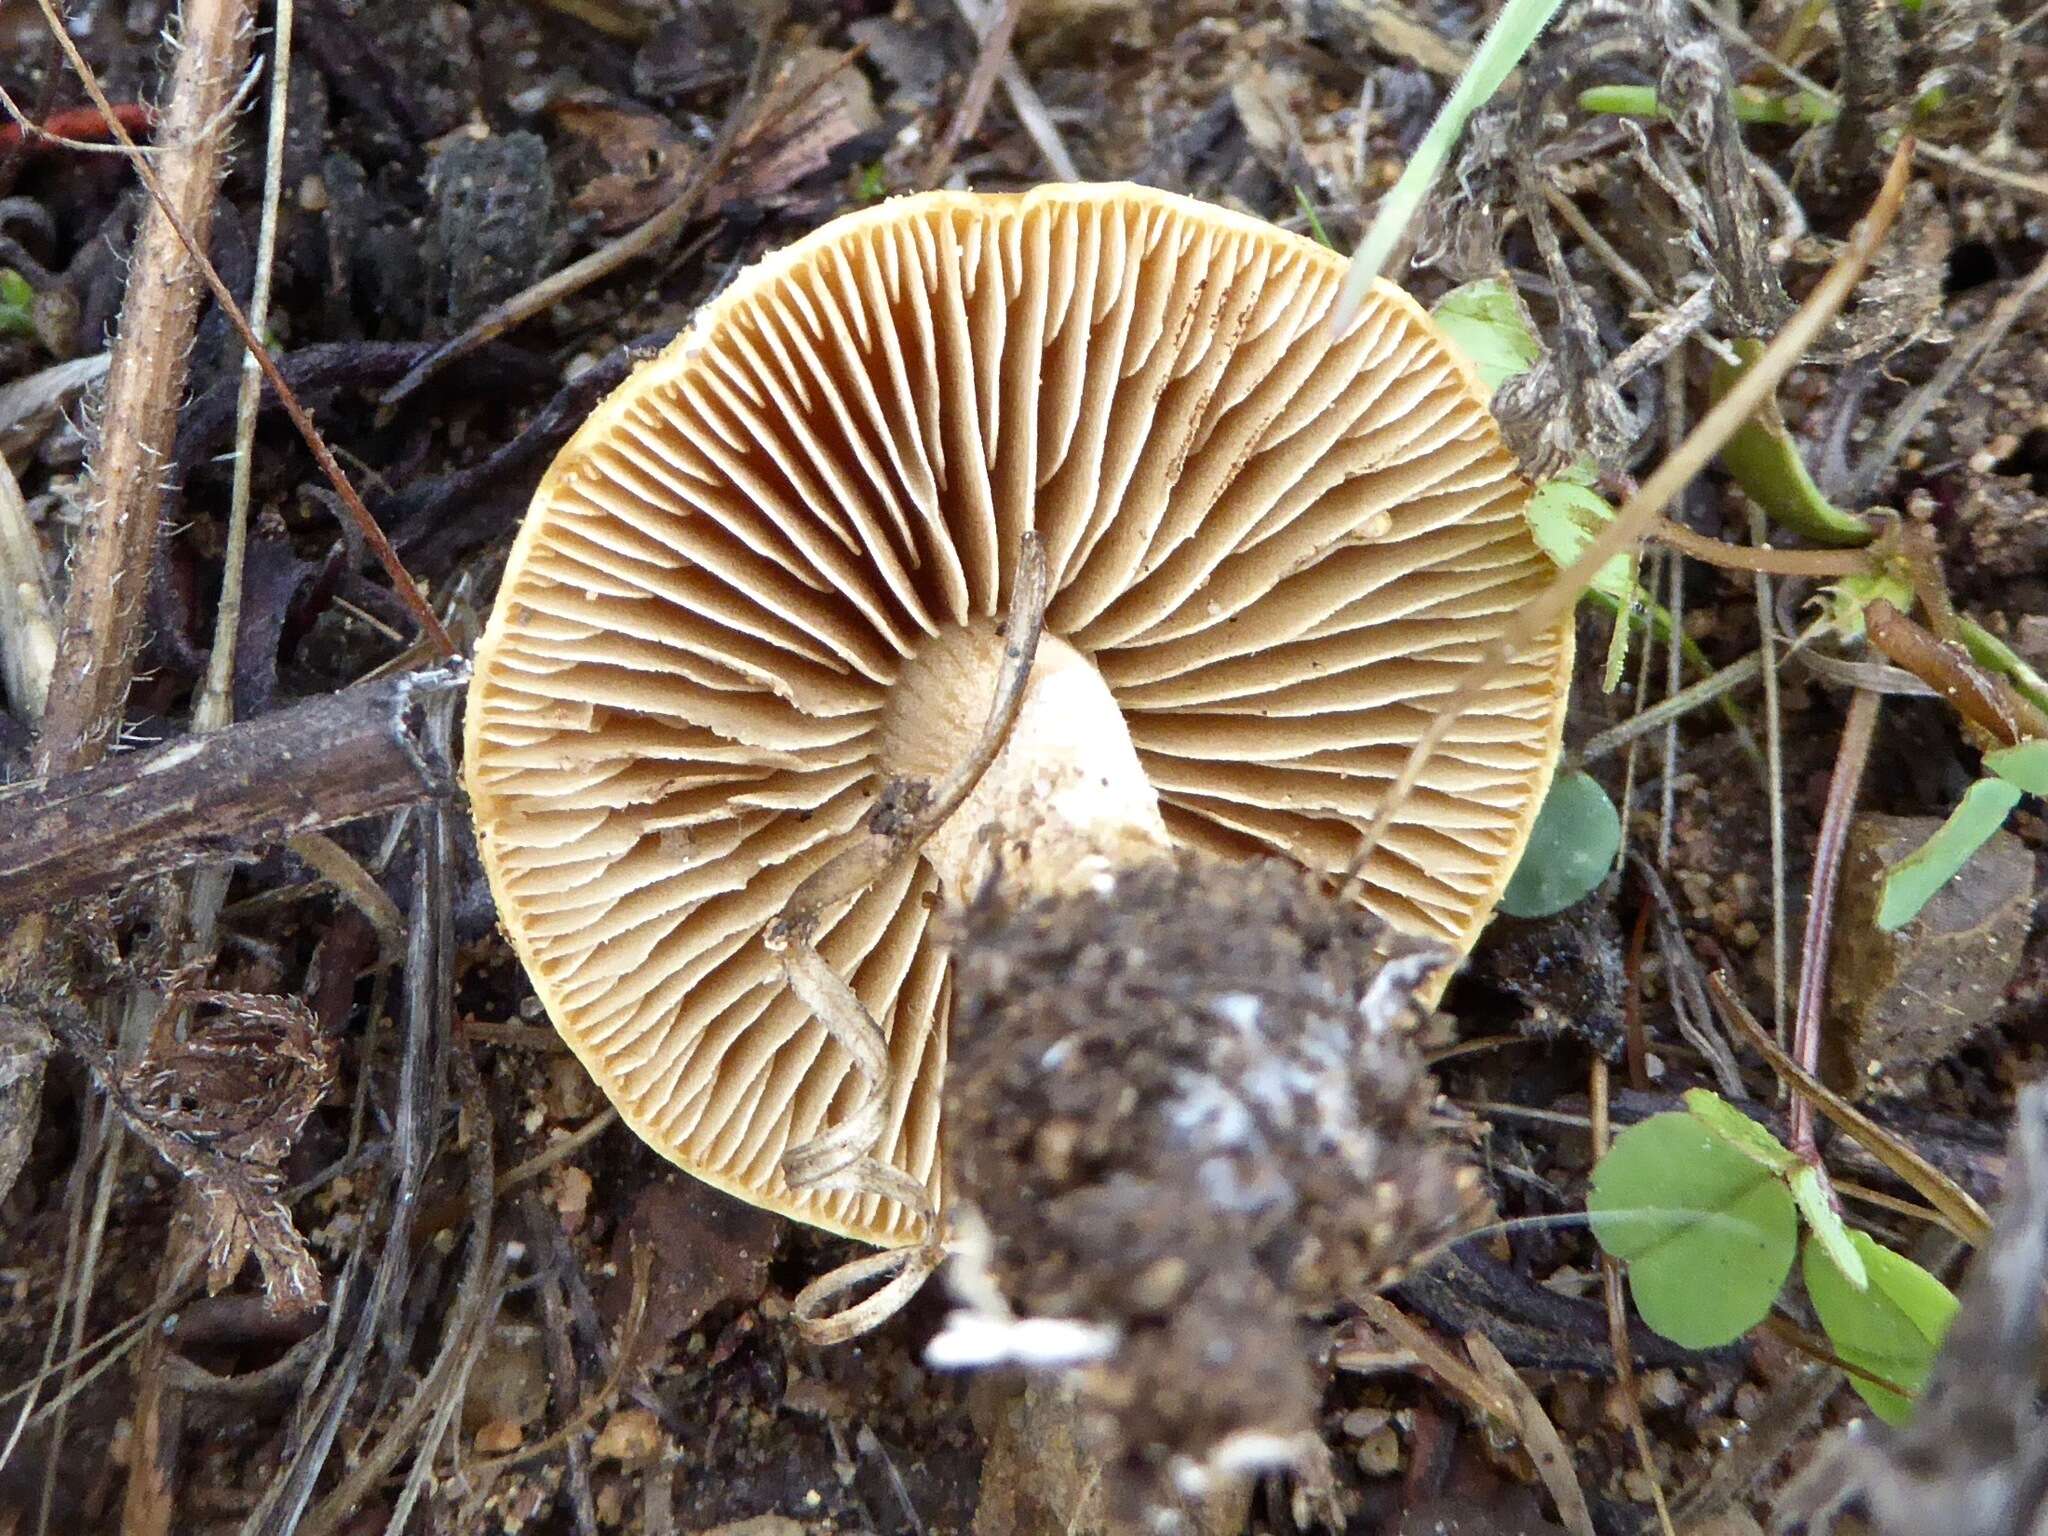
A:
x: 1760, y: 558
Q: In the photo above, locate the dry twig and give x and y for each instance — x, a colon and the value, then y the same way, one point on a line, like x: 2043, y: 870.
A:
x: 981, y: 82
x: 227, y: 794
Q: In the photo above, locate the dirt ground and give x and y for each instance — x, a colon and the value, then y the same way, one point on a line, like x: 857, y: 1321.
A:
x: 533, y: 1323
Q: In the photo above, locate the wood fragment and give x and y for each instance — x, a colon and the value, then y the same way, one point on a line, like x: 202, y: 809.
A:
x: 225, y: 795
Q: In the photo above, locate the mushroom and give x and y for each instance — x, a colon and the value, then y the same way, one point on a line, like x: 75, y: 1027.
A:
x: 773, y: 577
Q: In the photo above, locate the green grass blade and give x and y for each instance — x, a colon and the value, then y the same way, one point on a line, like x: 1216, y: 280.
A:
x: 1506, y: 41
x: 1911, y: 883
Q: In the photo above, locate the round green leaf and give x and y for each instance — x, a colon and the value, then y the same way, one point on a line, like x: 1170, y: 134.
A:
x: 1707, y: 1231
x: 1890, y: 1329
x: 1571, y: 848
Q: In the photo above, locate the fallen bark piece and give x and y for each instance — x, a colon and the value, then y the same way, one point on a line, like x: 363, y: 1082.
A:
x: 226, y: 795
x: 1902, y: 1001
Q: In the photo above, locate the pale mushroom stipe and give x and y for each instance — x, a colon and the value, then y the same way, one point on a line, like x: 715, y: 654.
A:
x: 774, y: 573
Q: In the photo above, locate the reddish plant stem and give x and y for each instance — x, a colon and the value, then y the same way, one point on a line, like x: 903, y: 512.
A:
x: 75, y: 125
x: 1850, y: 759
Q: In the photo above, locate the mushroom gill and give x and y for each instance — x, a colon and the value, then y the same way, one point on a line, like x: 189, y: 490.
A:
x: 1272, y: 552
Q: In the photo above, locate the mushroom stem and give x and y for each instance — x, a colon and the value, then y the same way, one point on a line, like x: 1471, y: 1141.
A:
x: 1066, y: 800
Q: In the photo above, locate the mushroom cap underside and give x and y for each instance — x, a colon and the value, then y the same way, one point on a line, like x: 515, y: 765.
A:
x: 1280, y: 549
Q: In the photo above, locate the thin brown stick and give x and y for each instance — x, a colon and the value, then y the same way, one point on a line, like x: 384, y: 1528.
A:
x: 1823, y: 563
x: 1851, y: 756
x: 1433, y: 1356
x: 475, y: 1294
x: 981, y: 84
x: 1966, y: 1218
x: 186, y: 221
x: 1816, y: 1349
x: 1640, y: 512
x: 1870, y: 93
x: 624, y: 1361
x: 1774, y: 776
x: 1026, y: 103
x: 1610, y: 1288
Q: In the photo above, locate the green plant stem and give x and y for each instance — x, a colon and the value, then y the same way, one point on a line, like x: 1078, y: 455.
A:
x: 1988, y: 651
x: 1315, y: 220
x: 1767, y: 464
x: 1800, y: 109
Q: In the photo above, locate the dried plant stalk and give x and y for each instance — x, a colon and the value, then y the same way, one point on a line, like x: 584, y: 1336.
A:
x: 145, y: 386
x: 333, y: 759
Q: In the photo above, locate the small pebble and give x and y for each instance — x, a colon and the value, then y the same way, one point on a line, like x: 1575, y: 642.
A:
x: 631, y: 1435
x: 1361, y: 1422
x: 1379, y: 1453
x: 498, y: 1437
x: 1663, y: 1388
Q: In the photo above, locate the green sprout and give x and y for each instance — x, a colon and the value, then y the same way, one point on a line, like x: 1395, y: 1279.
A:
x: 17, y: 304
x: 1801, y: 109
x: 1315, y: 220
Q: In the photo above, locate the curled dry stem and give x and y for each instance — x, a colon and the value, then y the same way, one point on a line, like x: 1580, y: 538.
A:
x: 842, y: 1157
